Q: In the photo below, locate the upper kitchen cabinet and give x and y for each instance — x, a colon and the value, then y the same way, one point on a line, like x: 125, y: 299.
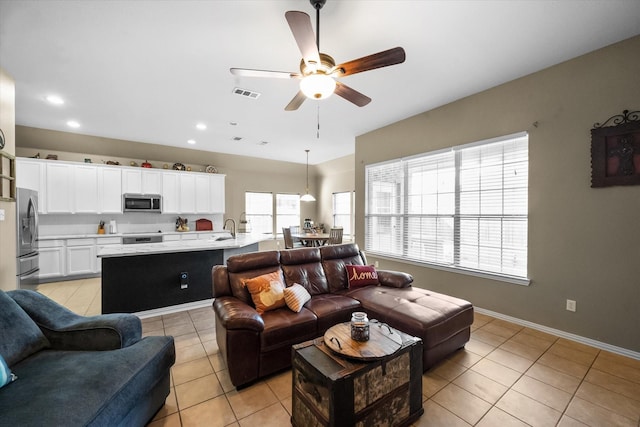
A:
x: 217, y: 193
x: 189, y: 193
x: 170, y: 192
x: 72, y: 187
x: 85, y: 189
x: 110, y: 190
x: 141, y: 181
x: 30, y: 173
x: 59, y: 197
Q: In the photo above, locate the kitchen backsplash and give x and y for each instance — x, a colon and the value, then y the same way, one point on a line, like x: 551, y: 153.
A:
x: 136, y: 222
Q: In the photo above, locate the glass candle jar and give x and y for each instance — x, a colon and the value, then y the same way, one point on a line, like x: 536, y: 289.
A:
x: 359, y: 326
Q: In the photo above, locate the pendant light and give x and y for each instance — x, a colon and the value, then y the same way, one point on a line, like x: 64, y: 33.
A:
x: 307, y: 197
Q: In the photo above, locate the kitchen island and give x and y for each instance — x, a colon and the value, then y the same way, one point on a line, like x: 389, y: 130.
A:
x: 150, y: 276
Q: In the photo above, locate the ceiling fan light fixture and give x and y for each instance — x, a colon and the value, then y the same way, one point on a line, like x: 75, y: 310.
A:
x: 318, y: 86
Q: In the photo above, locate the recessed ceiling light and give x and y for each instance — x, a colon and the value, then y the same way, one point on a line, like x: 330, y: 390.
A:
x: 191, y: 141
x: 201, y: 126
x: 233, y: 123
x: 73, y: 124
x: 55, y: 100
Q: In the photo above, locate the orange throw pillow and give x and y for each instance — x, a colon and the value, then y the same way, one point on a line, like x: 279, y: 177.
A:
x: 267, y: 291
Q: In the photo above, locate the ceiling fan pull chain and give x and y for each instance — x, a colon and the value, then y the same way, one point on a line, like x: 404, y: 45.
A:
x: 318, y: 131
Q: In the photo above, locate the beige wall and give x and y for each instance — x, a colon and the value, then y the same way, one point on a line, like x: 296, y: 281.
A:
x: 584, y: 243
x: 8, y: 226
x: 333, y: 177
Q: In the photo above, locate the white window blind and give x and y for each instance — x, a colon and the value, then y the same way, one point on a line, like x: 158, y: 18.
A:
x: 259, y: 211
x: 464, y: 208
x: 343, y: 211
x: 287, y: 211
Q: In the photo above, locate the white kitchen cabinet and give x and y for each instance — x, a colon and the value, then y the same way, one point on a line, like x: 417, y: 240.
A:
x: 110, y: 190
x: 217, y: 193
x: 141, y: 181
x: 170, y: 192
x: 81, y: 256
x: 85, y: 189
x: 31, y: 174
x: 202, y: 195
x: 151, y: 181
x: 187, y: 193
x: 51, y: 259
x: 59, y: 196
x: 131, y: 181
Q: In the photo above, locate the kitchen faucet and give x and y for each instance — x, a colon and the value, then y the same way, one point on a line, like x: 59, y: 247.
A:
x: 233, y: 222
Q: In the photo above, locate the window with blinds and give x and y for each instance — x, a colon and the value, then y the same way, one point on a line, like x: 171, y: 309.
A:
x: 464, y: 208
x: 259, y: 211
x: 343, y: 212
x: 287, y: 211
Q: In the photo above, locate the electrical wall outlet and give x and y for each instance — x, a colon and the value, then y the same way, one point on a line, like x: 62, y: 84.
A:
x: 376, y: 264
x: 184, y: 280
x: 571, y: 305
x: 1, y: 214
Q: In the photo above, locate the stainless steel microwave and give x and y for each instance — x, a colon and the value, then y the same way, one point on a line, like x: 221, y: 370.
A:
x: 142, y: 203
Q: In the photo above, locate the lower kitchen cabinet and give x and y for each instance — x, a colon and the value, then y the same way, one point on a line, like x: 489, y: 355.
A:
x: 71, y: 258
x: 81, y: 256
x: 52, y: 259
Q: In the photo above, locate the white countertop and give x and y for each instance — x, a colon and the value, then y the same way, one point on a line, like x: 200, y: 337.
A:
x: 239, y: 241
x: 96, y: 235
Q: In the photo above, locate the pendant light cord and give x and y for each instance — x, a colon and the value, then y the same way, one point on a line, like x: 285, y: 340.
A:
x: 307, y: 170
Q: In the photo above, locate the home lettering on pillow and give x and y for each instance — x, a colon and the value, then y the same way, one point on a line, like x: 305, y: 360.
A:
x: 361, y: 275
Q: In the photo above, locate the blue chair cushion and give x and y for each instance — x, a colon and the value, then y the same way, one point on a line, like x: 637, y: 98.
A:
x: 20, y: 337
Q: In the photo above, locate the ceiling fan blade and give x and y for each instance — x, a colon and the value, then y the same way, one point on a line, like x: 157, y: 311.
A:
x: 351, y: 95
x: 296, y: 102
x: 300, y: 25
x: 245, y: 72
x: 371, y: 62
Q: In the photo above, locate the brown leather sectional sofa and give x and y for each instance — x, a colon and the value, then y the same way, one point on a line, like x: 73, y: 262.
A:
x: 255, y: 345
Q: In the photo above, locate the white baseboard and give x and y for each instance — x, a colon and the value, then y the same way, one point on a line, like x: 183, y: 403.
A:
x: 577, y: 338
x: 175, y: 309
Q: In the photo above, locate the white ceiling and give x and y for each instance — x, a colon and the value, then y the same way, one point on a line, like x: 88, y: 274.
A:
x: 149, y: 71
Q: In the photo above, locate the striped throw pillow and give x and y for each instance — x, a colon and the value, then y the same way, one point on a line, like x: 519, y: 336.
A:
x: 296, y: 296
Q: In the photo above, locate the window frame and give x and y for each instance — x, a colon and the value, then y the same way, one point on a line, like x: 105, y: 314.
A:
x: 391, y: 191
x: 347, y: 231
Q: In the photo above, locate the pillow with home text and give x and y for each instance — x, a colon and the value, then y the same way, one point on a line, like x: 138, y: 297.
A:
x: 361, y: 275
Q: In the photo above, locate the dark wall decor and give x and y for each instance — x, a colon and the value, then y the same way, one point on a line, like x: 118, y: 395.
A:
x: 615, y: 150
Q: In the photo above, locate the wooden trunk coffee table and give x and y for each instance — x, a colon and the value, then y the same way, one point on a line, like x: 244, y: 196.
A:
x: 331, y: 388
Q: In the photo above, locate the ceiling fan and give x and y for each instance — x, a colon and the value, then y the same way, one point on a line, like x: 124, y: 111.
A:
x: 318, y: 71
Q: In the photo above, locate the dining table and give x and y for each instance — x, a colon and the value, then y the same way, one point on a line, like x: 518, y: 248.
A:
x: 312, y: 239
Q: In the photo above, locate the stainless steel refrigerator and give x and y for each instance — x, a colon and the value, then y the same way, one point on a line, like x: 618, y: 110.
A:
x: 27, y: 236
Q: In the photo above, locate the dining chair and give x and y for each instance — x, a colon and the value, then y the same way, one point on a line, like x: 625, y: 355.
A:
x: 335, y: 236
x: 295, y: 233
x: 288, y: 240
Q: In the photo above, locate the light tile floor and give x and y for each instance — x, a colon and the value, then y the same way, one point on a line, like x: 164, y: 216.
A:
x: 507, y: 375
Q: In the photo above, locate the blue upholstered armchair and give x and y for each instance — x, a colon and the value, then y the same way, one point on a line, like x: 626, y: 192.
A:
x: 75, y: 371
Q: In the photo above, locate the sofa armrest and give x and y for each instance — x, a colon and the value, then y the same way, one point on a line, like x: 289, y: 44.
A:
x: 394, y: 279
x: 67, y: 330
x: 235, y: 314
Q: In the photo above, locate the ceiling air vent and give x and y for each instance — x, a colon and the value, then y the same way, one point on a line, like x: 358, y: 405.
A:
x: 236, y: 138
x: 245, y: 92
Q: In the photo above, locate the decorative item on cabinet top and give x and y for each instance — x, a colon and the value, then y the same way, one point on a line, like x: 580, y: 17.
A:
x: 178, y: 167
x: 211, y: 169
x: 181, y: 224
